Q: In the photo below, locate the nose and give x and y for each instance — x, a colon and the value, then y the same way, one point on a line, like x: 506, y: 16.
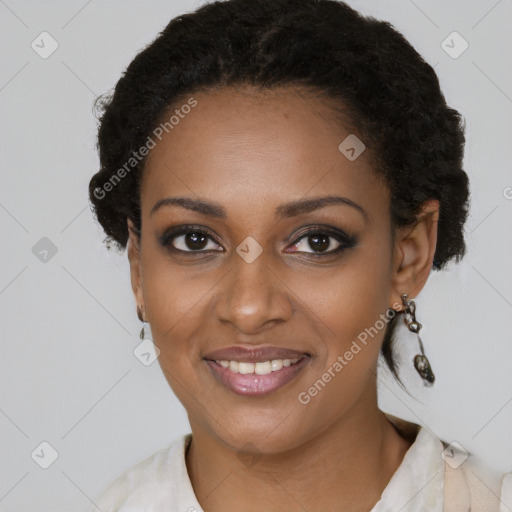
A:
x: 253, y: 297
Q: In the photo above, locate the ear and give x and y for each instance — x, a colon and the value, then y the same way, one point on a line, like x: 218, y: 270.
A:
x: 413, y: 254
x: 133, y: 249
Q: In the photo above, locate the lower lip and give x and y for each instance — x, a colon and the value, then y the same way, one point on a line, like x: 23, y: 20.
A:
x: 256, y: 385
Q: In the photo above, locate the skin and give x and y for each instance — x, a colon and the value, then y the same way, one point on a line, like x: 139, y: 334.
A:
x: 250, y: 152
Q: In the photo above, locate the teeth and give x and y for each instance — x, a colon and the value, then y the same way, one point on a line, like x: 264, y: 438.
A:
x: 261, y: 368
x: 246, y: 367
x: 276, y: 364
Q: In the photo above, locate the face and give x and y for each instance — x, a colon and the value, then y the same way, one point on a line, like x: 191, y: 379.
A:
x: 264, y: 268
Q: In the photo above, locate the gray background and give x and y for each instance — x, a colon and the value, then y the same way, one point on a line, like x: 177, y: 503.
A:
x: 68, y: 375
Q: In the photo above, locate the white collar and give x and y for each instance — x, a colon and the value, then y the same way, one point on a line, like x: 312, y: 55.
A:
x: 418, y: 482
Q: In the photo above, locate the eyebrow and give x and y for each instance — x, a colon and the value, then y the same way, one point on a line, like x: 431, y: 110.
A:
x: 286, y: 210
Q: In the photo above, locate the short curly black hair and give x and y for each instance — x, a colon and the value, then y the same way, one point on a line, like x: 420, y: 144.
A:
x: 359, y: 63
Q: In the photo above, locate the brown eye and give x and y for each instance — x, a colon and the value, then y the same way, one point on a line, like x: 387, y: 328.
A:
x: 193, y: 241
x: 189, y: 239
x: 323, y: 242
x: 317, y: 242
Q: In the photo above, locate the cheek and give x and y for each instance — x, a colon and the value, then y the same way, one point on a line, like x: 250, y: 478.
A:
x: 349, y: 298
x: 173, y: 304
x: 346, y: 368
x: 174, y: 298
x: 349, y: 309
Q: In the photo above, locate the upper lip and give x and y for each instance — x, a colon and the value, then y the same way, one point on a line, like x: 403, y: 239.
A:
x: 254, y: 354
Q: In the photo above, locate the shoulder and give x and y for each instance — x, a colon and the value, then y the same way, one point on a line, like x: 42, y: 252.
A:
x: 470, y: 484
x: 466, y: 482
x: 147, y: 483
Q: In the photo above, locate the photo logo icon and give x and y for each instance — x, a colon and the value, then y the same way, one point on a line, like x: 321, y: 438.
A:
x: 44, y: 45
x: 454, y: 45
x: 351, y: 148
x: 44, y: 455
x: 454, y: 455
x: 44, y: 250
x: 249, y: 249
x: 146, y: 352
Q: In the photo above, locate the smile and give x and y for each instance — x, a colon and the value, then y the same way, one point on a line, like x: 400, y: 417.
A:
x: 256, y: 378
x: 260, y: 368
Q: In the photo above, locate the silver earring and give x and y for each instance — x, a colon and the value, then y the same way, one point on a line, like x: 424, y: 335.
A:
x: 142, y: 334
x: 421, y: 362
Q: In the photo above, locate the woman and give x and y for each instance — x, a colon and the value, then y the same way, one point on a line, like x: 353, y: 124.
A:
x: 285, y: 174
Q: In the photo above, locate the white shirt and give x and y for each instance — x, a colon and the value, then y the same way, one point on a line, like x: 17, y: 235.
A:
x: 423, y: 482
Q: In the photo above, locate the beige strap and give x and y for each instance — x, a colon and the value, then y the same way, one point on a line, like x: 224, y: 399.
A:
x: 456, y: 493
x: 467, y: 490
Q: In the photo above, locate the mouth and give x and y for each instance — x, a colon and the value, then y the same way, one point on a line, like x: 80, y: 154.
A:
x: 256, y: 372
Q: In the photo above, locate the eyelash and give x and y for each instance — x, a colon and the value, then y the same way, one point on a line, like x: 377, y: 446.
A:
x: 346, y: 241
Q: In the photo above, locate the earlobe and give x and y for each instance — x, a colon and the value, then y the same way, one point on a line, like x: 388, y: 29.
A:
x: 414, y: 251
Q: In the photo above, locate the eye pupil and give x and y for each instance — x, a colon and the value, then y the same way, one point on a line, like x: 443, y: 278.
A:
x: 319, y: 242
x: 195, y: 241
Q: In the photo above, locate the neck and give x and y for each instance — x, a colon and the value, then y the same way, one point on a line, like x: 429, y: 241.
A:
x: 347, y: 465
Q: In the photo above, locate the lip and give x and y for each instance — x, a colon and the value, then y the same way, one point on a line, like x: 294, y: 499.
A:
x: 257, y: 385
x: 254, y: 354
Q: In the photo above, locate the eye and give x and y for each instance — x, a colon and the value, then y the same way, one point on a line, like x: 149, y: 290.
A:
x: 189, y: 239
x: 322, y: 242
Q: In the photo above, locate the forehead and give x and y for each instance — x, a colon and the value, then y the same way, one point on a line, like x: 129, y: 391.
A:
x: 238, y: 145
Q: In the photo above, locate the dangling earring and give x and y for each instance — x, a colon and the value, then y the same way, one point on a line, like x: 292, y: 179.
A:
x: 142, y: 334
x: 421, y: 362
